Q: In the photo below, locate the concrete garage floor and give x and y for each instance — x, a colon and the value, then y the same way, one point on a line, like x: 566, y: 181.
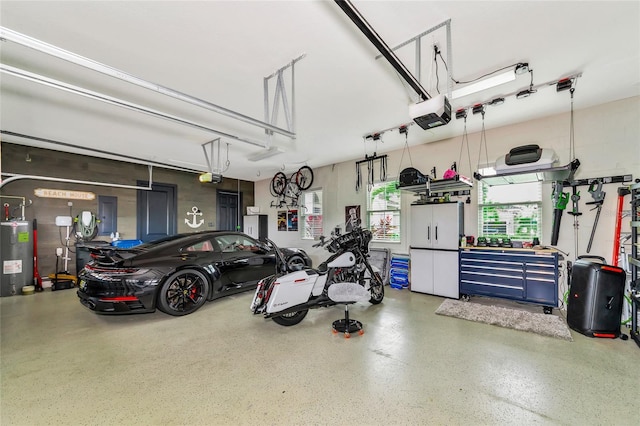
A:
x: 62, y: 364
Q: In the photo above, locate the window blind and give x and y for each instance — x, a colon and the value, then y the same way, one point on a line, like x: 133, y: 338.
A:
x: 510, y: 211
x: 383, y: 210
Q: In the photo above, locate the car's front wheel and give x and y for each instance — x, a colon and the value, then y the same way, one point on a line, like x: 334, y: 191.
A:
x: 183, y: 292
x: 291, y: 319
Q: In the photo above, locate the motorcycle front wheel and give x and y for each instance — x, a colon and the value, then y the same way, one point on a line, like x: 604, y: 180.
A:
x: 377, y: 289
x: 292, y: 318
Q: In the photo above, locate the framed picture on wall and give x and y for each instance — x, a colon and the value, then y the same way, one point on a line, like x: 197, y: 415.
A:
x: 282, y: 220
x: 351, y: 218
x: 292, y: 220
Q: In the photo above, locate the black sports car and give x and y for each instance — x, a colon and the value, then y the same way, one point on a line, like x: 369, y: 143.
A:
x: 179, y: 273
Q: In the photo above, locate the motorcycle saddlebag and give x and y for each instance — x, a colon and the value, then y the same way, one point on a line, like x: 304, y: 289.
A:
x: 594, y: 306
x: 290, y: 290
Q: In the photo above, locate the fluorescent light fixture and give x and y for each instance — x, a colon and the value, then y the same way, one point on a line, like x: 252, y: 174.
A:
x: 265, y: 153
x: 485, y: 84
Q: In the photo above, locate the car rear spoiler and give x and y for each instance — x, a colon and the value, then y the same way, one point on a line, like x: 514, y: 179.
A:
x: 111, y: 255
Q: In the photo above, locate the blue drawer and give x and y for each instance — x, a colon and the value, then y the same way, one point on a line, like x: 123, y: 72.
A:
x: 526, y: 276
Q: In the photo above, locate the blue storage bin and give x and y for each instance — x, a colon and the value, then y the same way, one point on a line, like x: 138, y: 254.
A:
x: 125, y: 244
x: 399, y: 274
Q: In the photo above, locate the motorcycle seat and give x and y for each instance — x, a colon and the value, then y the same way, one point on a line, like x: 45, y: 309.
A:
x: 347, y: 293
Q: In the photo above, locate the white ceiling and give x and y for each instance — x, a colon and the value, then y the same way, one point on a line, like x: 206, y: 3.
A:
x: 220, y: 52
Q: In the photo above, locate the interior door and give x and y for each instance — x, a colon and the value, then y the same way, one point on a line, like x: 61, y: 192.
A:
x: 156, y: 211
x: 108, y: 214
x: 228, y: 207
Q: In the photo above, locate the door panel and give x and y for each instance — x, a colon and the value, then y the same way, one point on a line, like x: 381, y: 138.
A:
x: 421, y: 232
x: 156, y: 212
x: 445, y: 274
x: 108, y: 214
x: 422, y: 270
x: 227, y: 213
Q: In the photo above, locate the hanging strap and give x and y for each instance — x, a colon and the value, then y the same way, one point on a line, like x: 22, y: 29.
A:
x: 405, y: 130
x: 465, y: 139
x: 483, y: 141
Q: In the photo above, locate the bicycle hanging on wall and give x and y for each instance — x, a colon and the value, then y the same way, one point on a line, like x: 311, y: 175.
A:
x: 287, y: 190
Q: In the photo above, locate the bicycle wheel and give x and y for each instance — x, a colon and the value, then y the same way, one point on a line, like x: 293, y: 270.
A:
x: 304, y: 177
x: 278, y: 184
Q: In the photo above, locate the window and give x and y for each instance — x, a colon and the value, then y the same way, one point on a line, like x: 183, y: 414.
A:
x: 310, y: 214
x: 510, y: 211
x: 383, y: 210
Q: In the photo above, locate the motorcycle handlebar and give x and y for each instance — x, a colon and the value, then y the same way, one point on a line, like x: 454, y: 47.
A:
x: 340, y: 240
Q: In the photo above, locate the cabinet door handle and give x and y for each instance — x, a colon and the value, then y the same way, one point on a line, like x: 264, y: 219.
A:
x: 429, y: 232
x: 436, y: 232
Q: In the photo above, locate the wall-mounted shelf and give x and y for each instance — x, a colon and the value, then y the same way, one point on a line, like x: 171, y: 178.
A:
x: 458, y: 185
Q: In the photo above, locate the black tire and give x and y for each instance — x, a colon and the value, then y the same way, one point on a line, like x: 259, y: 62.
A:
x: 278, y: 184
x: 296, y: 263
x: 377, y: 289
x: 183, y: 292
x: 304, y: 178
x: 291, y: 319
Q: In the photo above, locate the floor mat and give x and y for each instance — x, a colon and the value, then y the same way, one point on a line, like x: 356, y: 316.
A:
x: 544, y: 324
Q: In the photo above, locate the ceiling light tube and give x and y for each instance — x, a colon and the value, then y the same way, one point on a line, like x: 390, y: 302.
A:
x: 485, y: 84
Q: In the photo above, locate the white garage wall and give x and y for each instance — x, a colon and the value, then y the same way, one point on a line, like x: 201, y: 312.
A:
x: 607, y: 143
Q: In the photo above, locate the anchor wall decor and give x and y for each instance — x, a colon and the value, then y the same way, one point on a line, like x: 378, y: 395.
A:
x: 195, y: 212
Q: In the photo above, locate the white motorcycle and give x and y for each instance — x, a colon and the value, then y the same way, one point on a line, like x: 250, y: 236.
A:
x: 346, y: 277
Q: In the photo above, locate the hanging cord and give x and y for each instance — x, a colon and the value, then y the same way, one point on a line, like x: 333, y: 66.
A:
x: 383, y: 169
x: 436, y: 52
x: 358, y: 172
x: 227, y: 163
x: 465, y: 138
x: 572, y: 142
x: 483, y: 141
x: 405, y: 130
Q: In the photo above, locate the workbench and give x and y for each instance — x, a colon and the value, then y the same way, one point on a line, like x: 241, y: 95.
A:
x: 523, y: 275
